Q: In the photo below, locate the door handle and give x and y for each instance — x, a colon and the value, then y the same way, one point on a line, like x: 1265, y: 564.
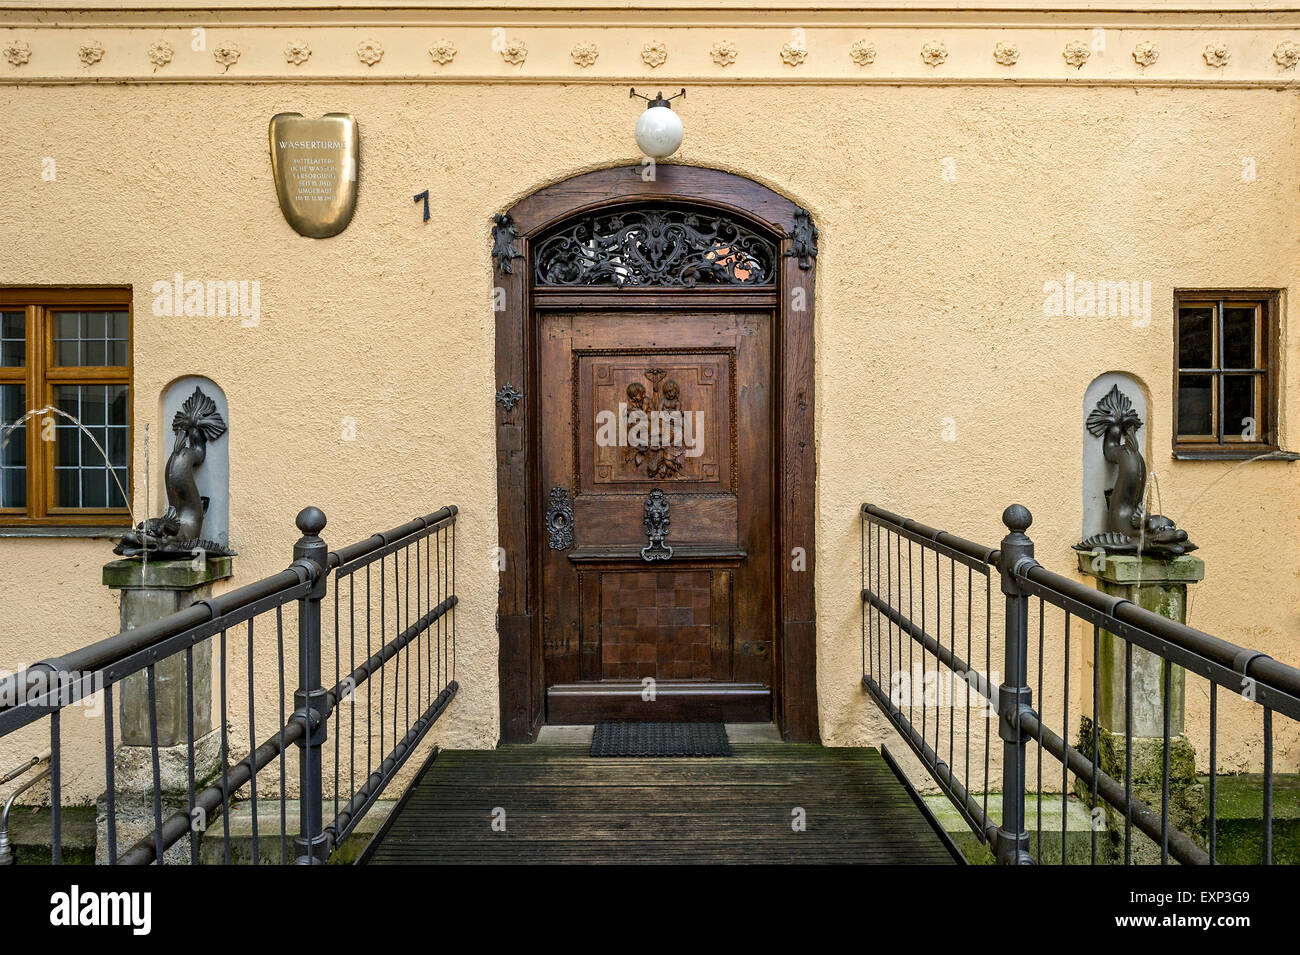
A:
x: 656, y: 522
x: 559, y: 519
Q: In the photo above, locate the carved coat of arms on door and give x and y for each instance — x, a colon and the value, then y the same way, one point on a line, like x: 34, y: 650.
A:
x: 655, y: 425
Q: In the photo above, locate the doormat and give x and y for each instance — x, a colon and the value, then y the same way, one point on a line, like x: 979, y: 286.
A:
x: 660, y: 739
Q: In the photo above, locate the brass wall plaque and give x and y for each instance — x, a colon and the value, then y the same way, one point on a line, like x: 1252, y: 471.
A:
x: 314, y: 162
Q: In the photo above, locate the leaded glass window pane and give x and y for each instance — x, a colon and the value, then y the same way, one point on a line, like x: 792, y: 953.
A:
x: 13, y: 446
x: 13, y: 339
x: 91, y: 465
x: 90, y: 338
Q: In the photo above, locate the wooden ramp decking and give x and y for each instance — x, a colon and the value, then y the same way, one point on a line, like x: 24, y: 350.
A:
x: 562, y: 806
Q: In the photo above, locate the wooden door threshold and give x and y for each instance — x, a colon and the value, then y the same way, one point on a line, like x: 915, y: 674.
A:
x: 570, y: 704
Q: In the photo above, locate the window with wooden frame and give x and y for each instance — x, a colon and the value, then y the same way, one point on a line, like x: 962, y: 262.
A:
x: 65, y: 406
x: 1225, y: 374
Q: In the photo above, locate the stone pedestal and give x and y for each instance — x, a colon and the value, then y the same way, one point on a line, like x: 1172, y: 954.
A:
x: 149, y: 591
x: 1160, y: 586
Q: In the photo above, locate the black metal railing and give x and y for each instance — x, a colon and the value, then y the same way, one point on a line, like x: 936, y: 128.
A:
x: 390, y: 630
x: 927, y: 598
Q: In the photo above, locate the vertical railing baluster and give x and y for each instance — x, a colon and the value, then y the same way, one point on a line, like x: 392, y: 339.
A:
x: 862, y: 551
x: 1268, y: 786
x: 311, y: 556
x: 56, y: 789
x: 1014, y: 694
x: 442, y: 624
x: 1128, y: 751
x: 924, y: 707
x: 882, y: 678
x: 338, y: 709
x: 352, y: 690
x: 252, y: 747
x: 151, y: 681
x: 1166, y: 706
x: 284, y: 795
x: 1065, y: 735
x: 911, y: 644
x: 1042, y: 695
x: 1096, y: 733
x: 370, y: 684
x: 189, y: 750
x: 406, y: 651
x: 970, y: 599
x: 889, y: 569
x: 1214, y: 772
x: 110, y: 776
x: 453, y: 590
x: 431, y: 647
x: 952, y: 673
x: 225, y: 760
x: 419, y: 637
x: 988, y: 674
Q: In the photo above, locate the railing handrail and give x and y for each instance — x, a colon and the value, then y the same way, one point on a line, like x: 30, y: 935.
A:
x: 1248, y: 663
x: 1262, y: 669
x: 46, y: 688
x: 17, y: 688
x: 918, y: 531
x: 1270, y: 684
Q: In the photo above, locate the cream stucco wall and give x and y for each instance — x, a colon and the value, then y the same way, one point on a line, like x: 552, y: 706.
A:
x: 929, y: 307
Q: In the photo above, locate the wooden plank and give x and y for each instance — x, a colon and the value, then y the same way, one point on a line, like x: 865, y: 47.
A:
x: 562, y: 806
x: 576, y: 704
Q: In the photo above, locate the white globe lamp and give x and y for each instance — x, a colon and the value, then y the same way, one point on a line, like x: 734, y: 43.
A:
x: 659, y: 129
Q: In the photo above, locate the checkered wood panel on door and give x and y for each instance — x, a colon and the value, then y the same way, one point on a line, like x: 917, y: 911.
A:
x: 656, y: 624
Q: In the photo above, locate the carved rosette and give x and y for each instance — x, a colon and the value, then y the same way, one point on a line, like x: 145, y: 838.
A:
x: 724, y: 52
x: 654, y: 53
x: 18, y: 52
x: 1076, y: 53
x: 509, y: 396
x: 515, y: 51
x: 862, y: 52
x: 370, y: 52
x: 226, y: 53
x: 792, y: 54
x: 1216, y: 55
x: 1146, y: 53
x: 443, y: 51
x: 934, y: 52
x: 297, y: 52
x: 1287, y: 54
x: 584, y: 54
x: 1006, y: 54
x: 160, y: 53
x: 90, y: 52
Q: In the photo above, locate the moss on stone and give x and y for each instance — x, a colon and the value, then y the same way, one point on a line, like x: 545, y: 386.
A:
x: 30, y: 831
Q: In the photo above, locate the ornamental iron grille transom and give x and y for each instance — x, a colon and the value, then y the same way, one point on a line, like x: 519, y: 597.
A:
x: 655, y: 246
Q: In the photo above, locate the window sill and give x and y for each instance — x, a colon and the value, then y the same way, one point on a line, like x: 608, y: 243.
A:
x: 73, y: 531
x: 1235, y: 455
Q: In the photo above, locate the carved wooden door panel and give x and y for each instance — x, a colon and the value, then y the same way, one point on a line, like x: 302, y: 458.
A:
x: 657, y: 606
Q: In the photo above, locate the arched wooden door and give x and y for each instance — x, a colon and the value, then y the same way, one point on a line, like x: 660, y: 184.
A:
x: 654, y: 354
